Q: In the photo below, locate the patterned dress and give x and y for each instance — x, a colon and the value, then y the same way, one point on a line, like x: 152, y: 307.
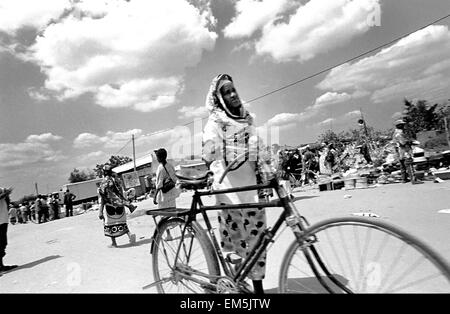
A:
x: 224, y: 139
x: 115, y: 215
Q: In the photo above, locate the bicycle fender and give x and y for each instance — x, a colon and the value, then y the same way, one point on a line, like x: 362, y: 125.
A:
x: 156, y: 232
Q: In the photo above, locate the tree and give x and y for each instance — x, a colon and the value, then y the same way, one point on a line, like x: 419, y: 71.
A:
x: 329, y: 137
x: 420, y: 116
x: 26, y: 199
x: 81, y: 175
x: 113, y: 161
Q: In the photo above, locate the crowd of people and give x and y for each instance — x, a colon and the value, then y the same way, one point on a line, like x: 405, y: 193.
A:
x: 43, y: 208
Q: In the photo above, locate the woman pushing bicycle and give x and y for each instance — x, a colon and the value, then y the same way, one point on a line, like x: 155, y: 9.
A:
x: 228, y: 133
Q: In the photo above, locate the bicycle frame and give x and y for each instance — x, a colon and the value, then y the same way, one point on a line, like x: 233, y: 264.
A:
x: 289, y: 214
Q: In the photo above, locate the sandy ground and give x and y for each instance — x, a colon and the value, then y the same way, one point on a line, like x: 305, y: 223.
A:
x: 71, y: 255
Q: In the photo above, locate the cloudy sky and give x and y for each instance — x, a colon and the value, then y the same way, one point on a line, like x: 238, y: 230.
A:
x: 78, y: 78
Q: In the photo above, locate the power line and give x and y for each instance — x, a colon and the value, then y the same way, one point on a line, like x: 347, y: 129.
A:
x: 322, y: 71
x: 124, y: 146
x: 348, y: 60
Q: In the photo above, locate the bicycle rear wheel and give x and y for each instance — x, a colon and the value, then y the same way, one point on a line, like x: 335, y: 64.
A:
x: 196, y: 255
x: 360, y: 255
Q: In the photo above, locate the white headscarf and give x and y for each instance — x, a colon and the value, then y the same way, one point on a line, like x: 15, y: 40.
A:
x: 216, y: 106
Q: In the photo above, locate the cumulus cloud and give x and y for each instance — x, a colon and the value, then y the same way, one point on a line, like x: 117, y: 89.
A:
x: 42, y: 138
x: 125, y: 53
x: 354, y: 113
x: 331, y: 98
x: 323, y: 101
x: 189, y: 112
x: 327, y: 121
x: 418, y: 66
x: 93, y: 157
x: 294, y: 32
x: 16, y: 14
x: 253, y: 15
x: 110, y: 140
x: 283, y: 119
x: 36, y: 149
x: 37, y: 94
x: 180, y: 142
x: 287, y: 120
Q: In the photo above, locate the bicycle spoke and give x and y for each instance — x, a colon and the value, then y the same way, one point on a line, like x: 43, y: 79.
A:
x: 335, y: 254
x: 182, y: 282
x: 364, y: 256
x: 187, y: 253
x: 301, y: 271
x: 407, y: 272
x: 393, y: 265
x: 382, y: 259
x: 346, y: 253
x: 417, y: 281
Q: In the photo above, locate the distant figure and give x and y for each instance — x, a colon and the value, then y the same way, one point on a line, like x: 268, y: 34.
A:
x: 42, y: 209
x: 68, y: 202
x: 4, y: 220
x: 23, y: 212
x: 309, y: 166
x: 284, y: 171
x: 13, y: 216
x: 54, y: 206
x: 404, y: 152
x: 327, y: 160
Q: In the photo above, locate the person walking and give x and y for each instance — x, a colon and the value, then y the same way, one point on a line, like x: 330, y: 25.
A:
x: 40, y: 207
x: 13, y: 215
x: 68, y: 202
x: 4, y: 220
x: 112, y: 207
x: 229, y: 132
x: 54, y: 206
x: 166, y: 191
x: 403, y: 145
x: 285, y: 172
x: 23, y: 212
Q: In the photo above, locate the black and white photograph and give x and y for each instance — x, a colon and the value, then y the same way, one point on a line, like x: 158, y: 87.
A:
x: 242, y: 149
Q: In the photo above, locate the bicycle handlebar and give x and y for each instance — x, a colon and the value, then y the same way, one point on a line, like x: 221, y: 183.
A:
x: 227, y: 169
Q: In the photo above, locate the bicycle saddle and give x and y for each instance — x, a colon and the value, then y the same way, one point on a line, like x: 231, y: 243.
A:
x: 196, y: 181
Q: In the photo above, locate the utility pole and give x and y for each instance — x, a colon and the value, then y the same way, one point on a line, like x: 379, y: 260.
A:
x: 134, y: 153
x: 446, y: 123
x: 363, y: 122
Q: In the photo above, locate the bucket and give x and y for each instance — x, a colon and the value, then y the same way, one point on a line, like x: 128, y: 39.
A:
x: 349, y: 183
x: 361, y: 183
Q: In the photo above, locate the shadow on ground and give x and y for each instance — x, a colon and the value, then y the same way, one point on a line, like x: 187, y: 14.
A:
x: 137, y: 243
x: 35, y: 263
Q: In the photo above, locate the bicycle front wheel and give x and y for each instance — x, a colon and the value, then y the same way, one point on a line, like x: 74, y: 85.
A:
x: 195, y: 257
x: 361, y: 255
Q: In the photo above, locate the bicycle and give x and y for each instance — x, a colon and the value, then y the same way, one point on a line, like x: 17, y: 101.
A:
x: 296, y: 179
x: 337, y: 255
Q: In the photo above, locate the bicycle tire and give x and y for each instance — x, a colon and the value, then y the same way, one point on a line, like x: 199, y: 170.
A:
x: 432, y: 272
x: 162, y: 245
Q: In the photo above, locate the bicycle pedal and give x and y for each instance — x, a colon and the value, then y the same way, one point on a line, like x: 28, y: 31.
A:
x: 233, y: 258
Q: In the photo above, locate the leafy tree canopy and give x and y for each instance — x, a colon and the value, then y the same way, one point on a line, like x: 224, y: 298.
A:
x: 113, y: 161
x: 81, y: 175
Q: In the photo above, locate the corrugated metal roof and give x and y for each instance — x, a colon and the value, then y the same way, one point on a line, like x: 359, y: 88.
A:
x: 147, y: 159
